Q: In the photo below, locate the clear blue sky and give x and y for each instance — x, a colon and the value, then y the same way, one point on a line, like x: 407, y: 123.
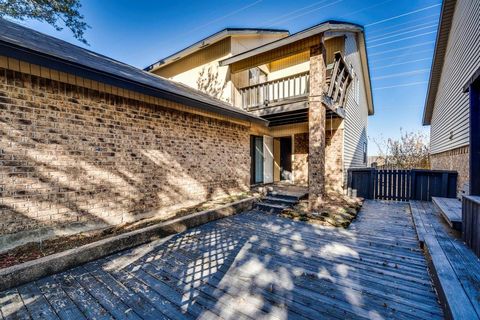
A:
x: 400, y: 40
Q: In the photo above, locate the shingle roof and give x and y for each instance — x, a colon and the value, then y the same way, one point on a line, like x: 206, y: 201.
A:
x: 31, y: 46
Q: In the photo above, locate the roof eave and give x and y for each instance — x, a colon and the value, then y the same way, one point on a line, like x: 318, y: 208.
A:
x: 56, y: 63
x: 443, y: 32
x: 228, y: 32
x: 327, y: 26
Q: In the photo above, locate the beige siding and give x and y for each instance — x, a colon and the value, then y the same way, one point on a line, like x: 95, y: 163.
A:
x: 450, y: 118
x: 356, y: 114
x: 244, y: 43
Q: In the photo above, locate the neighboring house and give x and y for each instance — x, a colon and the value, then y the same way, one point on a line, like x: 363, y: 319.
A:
x: 452, y: 109
x: 87, y: 141
x: 447, y: 109
x: 269, y: 74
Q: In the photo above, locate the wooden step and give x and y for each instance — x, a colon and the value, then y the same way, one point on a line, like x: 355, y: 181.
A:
x: 457, y: 288
x: 451, y: 210
x: 281, y: 201
x: 270, y: 208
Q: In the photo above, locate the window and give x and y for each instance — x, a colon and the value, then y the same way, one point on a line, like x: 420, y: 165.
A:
x: 256, y: 76
x: 355, y: 86
x: 365, y: 152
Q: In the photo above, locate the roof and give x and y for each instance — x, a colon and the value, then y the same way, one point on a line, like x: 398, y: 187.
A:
x: 443, y: 32
x: 330, y: 25
x: 28, y: 45
x: 216, y: 37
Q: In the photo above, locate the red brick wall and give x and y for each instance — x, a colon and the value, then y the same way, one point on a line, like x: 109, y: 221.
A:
x: 70, y: 154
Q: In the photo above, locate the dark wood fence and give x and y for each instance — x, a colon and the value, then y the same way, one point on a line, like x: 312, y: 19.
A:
x: 471, y: 222
x: 401, y: 185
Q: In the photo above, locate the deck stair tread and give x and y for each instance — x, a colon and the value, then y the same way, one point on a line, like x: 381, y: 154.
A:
x: 455, y: 268
x: 278, y: 200
x: 451, y: 210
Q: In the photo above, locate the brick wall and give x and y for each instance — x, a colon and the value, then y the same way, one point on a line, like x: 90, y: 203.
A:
x: 334, y: 160
x: 457, y: 160
x: 70, y: 154
x: 300, y: 158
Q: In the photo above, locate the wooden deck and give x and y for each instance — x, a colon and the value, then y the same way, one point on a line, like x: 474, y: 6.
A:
x: 455, y: 268
x: 249, y: 266
x: 451, y: 210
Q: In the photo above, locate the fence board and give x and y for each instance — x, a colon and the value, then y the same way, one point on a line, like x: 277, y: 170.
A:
x: 401, y: 184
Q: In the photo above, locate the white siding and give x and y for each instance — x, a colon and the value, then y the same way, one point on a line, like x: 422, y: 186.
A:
x: 356, y: 113
x: 450, y: 118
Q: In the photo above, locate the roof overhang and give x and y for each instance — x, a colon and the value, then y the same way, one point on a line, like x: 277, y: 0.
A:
x: 329, y: 26
x: 70, y: 67
x: 225, y: 33
x: 443, y: 32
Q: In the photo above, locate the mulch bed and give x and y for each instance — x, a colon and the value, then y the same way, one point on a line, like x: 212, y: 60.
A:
x: 338, y: 211
x: 35, y: 250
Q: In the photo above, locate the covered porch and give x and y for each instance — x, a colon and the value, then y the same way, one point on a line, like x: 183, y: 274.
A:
x: 299, y: 84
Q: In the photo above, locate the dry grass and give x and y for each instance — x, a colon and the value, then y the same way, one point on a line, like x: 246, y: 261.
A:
x: 338, y: 211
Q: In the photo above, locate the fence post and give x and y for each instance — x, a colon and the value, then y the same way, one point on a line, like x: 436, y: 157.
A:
x: 412, y: 185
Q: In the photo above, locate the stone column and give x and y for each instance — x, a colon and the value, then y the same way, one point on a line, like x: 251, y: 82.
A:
x: 316, y: 128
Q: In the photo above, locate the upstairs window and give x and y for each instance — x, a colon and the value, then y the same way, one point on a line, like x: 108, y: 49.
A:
x: 355, y: 86
x: 256, y: 76
x: 364, y: 152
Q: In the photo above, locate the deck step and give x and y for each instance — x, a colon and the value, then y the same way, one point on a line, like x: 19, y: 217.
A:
x: 451, y: 211
x: 278, y: 200
x: 285, y: 196
x: 270, y: 208
x: 451, y: 285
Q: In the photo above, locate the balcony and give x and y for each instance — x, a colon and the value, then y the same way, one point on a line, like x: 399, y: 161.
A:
x: 270, y: 93
x: 291, y: 93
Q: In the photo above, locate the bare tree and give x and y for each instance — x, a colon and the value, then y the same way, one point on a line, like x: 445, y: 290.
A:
x: 410, y: 151
x: 208, y: 81
x: 50, y: 11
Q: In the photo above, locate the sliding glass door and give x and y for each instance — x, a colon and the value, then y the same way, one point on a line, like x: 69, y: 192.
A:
x: 256, y: 153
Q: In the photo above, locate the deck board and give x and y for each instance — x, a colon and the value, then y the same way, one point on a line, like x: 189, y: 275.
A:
x: 253, y: 266
x: 455, y: 268
x: 451, y: 210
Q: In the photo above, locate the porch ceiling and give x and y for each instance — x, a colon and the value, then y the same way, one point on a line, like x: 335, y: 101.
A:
x: 291, y: 117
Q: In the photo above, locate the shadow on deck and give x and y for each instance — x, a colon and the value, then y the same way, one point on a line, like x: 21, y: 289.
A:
x: 249, y: 266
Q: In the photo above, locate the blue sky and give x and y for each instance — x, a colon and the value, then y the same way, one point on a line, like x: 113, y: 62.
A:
x: 400, y: 39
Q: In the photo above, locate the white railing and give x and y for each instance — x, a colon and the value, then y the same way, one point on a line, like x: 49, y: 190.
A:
x: 273, y: 91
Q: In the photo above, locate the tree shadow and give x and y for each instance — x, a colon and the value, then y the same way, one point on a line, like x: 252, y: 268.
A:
x: 74, y: 155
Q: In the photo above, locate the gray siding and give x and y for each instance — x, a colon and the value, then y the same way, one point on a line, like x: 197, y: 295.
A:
x: 450, y: 119
x: 356, y: 114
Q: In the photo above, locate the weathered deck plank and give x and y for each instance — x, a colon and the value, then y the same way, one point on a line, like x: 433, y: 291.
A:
x: 253, y: 266
x: 451, y: 210
x: 455, y: 268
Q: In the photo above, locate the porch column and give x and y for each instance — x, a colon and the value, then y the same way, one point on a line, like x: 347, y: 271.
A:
x: 316, y: 128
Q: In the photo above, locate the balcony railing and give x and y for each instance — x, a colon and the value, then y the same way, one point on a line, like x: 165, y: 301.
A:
x: 266, y: 93
x: 291, y: 88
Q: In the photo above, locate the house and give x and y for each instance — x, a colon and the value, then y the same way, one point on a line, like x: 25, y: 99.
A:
x: 452, y: 110
x: 448, y: 108
x: 274, y: 75
x: 88, y: 142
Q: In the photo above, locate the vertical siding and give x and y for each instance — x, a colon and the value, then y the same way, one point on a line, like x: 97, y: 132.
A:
x: 450, y: 119
x: 356, y: 114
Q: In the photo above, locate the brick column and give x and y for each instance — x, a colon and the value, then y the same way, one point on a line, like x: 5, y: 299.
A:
x: 316, y: 128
